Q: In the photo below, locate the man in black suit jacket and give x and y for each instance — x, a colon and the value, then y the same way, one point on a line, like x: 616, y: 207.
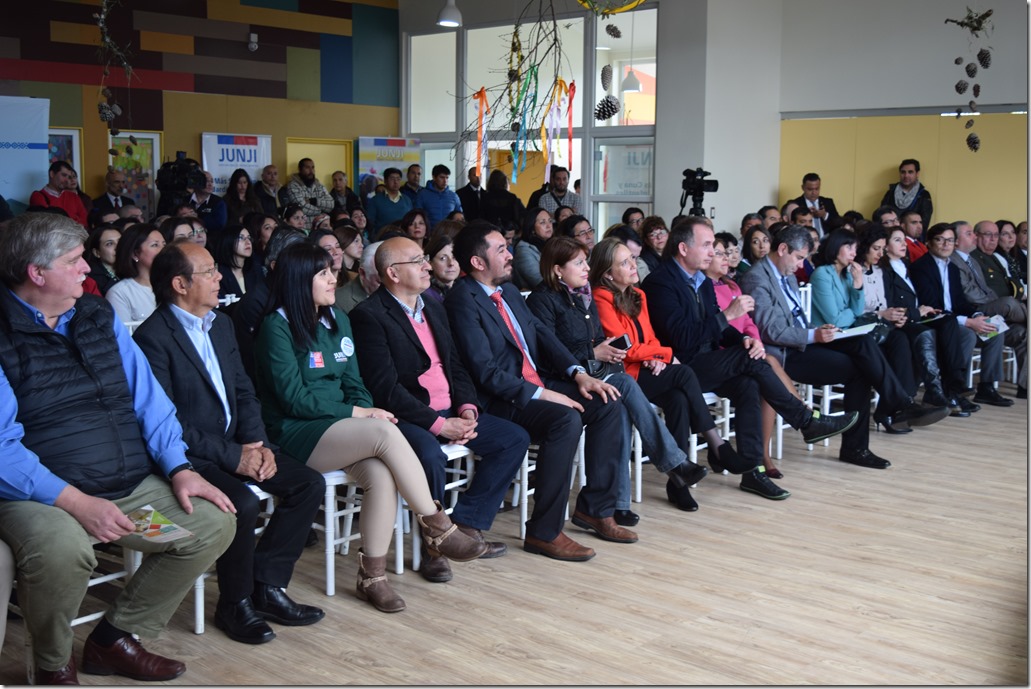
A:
x: 470, y: 196
x: 821, y: 207
x: 685, y: 316
x: 114, y: 198
x: 193, y: 353
x: 414, y: 371
x: 525, y: 374
x: 934, y: 290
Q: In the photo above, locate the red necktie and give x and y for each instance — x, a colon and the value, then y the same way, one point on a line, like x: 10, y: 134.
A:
x: 529, y: 372
x: 118, y: 202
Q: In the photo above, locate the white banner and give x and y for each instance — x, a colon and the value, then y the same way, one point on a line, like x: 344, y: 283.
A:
x: 222, y: 154
x: 24, y: 148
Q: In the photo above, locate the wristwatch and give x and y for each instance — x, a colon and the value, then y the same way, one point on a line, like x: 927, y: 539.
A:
x: 577, y: 369
x: 182, y: 467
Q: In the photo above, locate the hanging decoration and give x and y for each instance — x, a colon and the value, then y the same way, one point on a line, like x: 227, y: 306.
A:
x: 526, y: 103
x: 551, y: 126
x: 606, y: 108
x: 607, y: 8
x: 978, y: 25
x: 111, y: 54
x: 481, y: 134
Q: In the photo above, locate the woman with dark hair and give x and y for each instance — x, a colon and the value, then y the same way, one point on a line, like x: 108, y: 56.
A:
x: 361, y: 221
x: 293, y: 215
x: 444, y: 268
x: 561, y: 213
x: 937, y: 345
x: 132, y: 297
x: 633, y: 217
x: 579, y: 228
x: 755, y: 245
x: 233, y: 252
x: 416, y: 225
x: 654, y: 235
x: 177, y: 227
x: 351, y: 243
x: 101, y: 248
x: 449, y: 228
x: 1007, y: 254
x: 839, y: 299
x: 316, y: 407
x: 327, y: 240
x: 537, y: 228
x: 261, y: 226
x: 727, y: 291
x: 498, y: 205
x: 732, y: 250
x: 240, y: 197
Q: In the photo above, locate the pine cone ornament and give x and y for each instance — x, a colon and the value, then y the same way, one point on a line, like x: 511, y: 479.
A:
x: 961, y: 86
x: 606, y: 108
x: 977, y: 90
x: 613, y: 30
x: 969, y: 124
x: 106, y: 113
x: 958, y: 61
x: 971, y: 70
x: 606, y: 77
x: 972, y: 105
x: 973, y: 142
x: 113, y: 151
x: 984, y: 57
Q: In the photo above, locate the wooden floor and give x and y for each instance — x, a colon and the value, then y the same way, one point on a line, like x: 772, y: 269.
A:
x: 914, y: 575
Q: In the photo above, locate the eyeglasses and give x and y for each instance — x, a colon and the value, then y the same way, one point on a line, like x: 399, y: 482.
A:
x: 656, y: 234
x: 244, y: 238
x: 421, y: 261
x: 584, y: 233
x: 944, y: 240
x: 210, y: 273
x: 196, y: 232
x: 720, y: 254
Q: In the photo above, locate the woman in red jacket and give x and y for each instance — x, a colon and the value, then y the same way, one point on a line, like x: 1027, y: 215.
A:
x: 623, y: 308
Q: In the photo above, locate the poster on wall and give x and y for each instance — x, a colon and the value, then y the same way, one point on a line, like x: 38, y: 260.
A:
x: 24, y: 148
x: 65, y: 144
x: 139, y: 157
x: 222, y: 154
x: 376, y: 154
x: 627, y: 170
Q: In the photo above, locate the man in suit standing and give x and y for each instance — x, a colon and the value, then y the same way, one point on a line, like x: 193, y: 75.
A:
x: 821, y: 207
x: 814, y: 356
x: 939, y: 283
x: 686, y: 317
x: 192, y: 351
x: 114, y: 198
x: 525, y: 374
x: 470, y: 196
x: 412, y: 369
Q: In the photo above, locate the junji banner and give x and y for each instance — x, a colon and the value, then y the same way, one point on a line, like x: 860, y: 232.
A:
x: 222, y: 154
x: 376, y: 154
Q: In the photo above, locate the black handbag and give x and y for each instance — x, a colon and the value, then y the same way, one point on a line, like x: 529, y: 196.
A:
x: 602, y: 369
x: 881, y: 330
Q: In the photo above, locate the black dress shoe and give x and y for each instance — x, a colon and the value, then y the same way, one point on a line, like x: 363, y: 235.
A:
x: 986, y: 394
x: 915, y: 415
x: 271, y: 603
x: 726, y: 458
x: 688, y: 472
x: 890, y: 426
x: 1021, y: 392
x: 967, y: 406
x: 935, y: 398
x: 626, y: 517
x: 756, y: 481
x: 863, y: 458
x: 241, y: 623
x: 681, y: 497
x: 820, y: 427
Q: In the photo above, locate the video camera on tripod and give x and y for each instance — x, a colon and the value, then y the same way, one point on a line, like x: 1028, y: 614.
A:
x: 695, y: 185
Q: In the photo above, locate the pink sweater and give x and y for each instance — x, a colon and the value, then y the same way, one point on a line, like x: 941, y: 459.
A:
x: 725, y: 294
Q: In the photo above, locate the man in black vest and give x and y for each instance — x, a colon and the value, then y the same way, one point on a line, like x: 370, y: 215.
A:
x: 193, y: 353
x: 88, y: 436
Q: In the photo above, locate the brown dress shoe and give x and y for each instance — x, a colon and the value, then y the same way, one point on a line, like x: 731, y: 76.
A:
x: 128, y: 658
x: 606, y: 528
x: 562, y: 548
x: 65, y: 675
x: 494, y: 548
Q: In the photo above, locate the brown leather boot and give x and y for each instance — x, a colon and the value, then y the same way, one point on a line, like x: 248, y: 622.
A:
x: 373, y: 585
x: 442, y: 537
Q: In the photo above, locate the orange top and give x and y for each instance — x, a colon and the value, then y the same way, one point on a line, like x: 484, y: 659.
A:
x: 614, y: 322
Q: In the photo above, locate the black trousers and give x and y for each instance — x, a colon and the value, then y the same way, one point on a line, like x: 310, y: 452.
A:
x: 556, y: 428
x: 731, y: 373
x: 677, y: 392
x: 271, y: 560
x: 898, y: 352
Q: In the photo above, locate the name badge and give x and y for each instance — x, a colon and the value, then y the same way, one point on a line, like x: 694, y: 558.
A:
x: 315, y: 360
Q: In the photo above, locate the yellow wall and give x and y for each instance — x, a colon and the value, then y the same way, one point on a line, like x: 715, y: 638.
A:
x: 857, y: 158
x: 187, y: 115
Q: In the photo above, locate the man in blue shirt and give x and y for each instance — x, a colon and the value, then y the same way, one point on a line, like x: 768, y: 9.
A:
x: 83, y: 423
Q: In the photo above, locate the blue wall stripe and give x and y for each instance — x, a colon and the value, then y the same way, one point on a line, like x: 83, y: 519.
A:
x: 377, y: 51
x: 337, y: 68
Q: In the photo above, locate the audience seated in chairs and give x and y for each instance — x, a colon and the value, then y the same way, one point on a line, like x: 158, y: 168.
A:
x: 316, y: 407
x: 72, y: 372
x: 416, y: 374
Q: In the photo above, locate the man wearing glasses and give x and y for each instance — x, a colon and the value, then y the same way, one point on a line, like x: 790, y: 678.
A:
x: 939, y: 285
x: 417, y: 375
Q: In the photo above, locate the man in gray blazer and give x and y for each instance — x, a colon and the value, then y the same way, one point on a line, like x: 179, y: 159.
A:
x: 813, y: 356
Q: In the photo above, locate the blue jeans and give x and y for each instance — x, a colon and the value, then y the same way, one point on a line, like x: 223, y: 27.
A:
x: 501, y: 446
x: 656, y: 440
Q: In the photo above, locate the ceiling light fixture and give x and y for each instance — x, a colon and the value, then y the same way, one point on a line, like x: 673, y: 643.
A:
x: 631, y: 84
x: 449, y: 16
